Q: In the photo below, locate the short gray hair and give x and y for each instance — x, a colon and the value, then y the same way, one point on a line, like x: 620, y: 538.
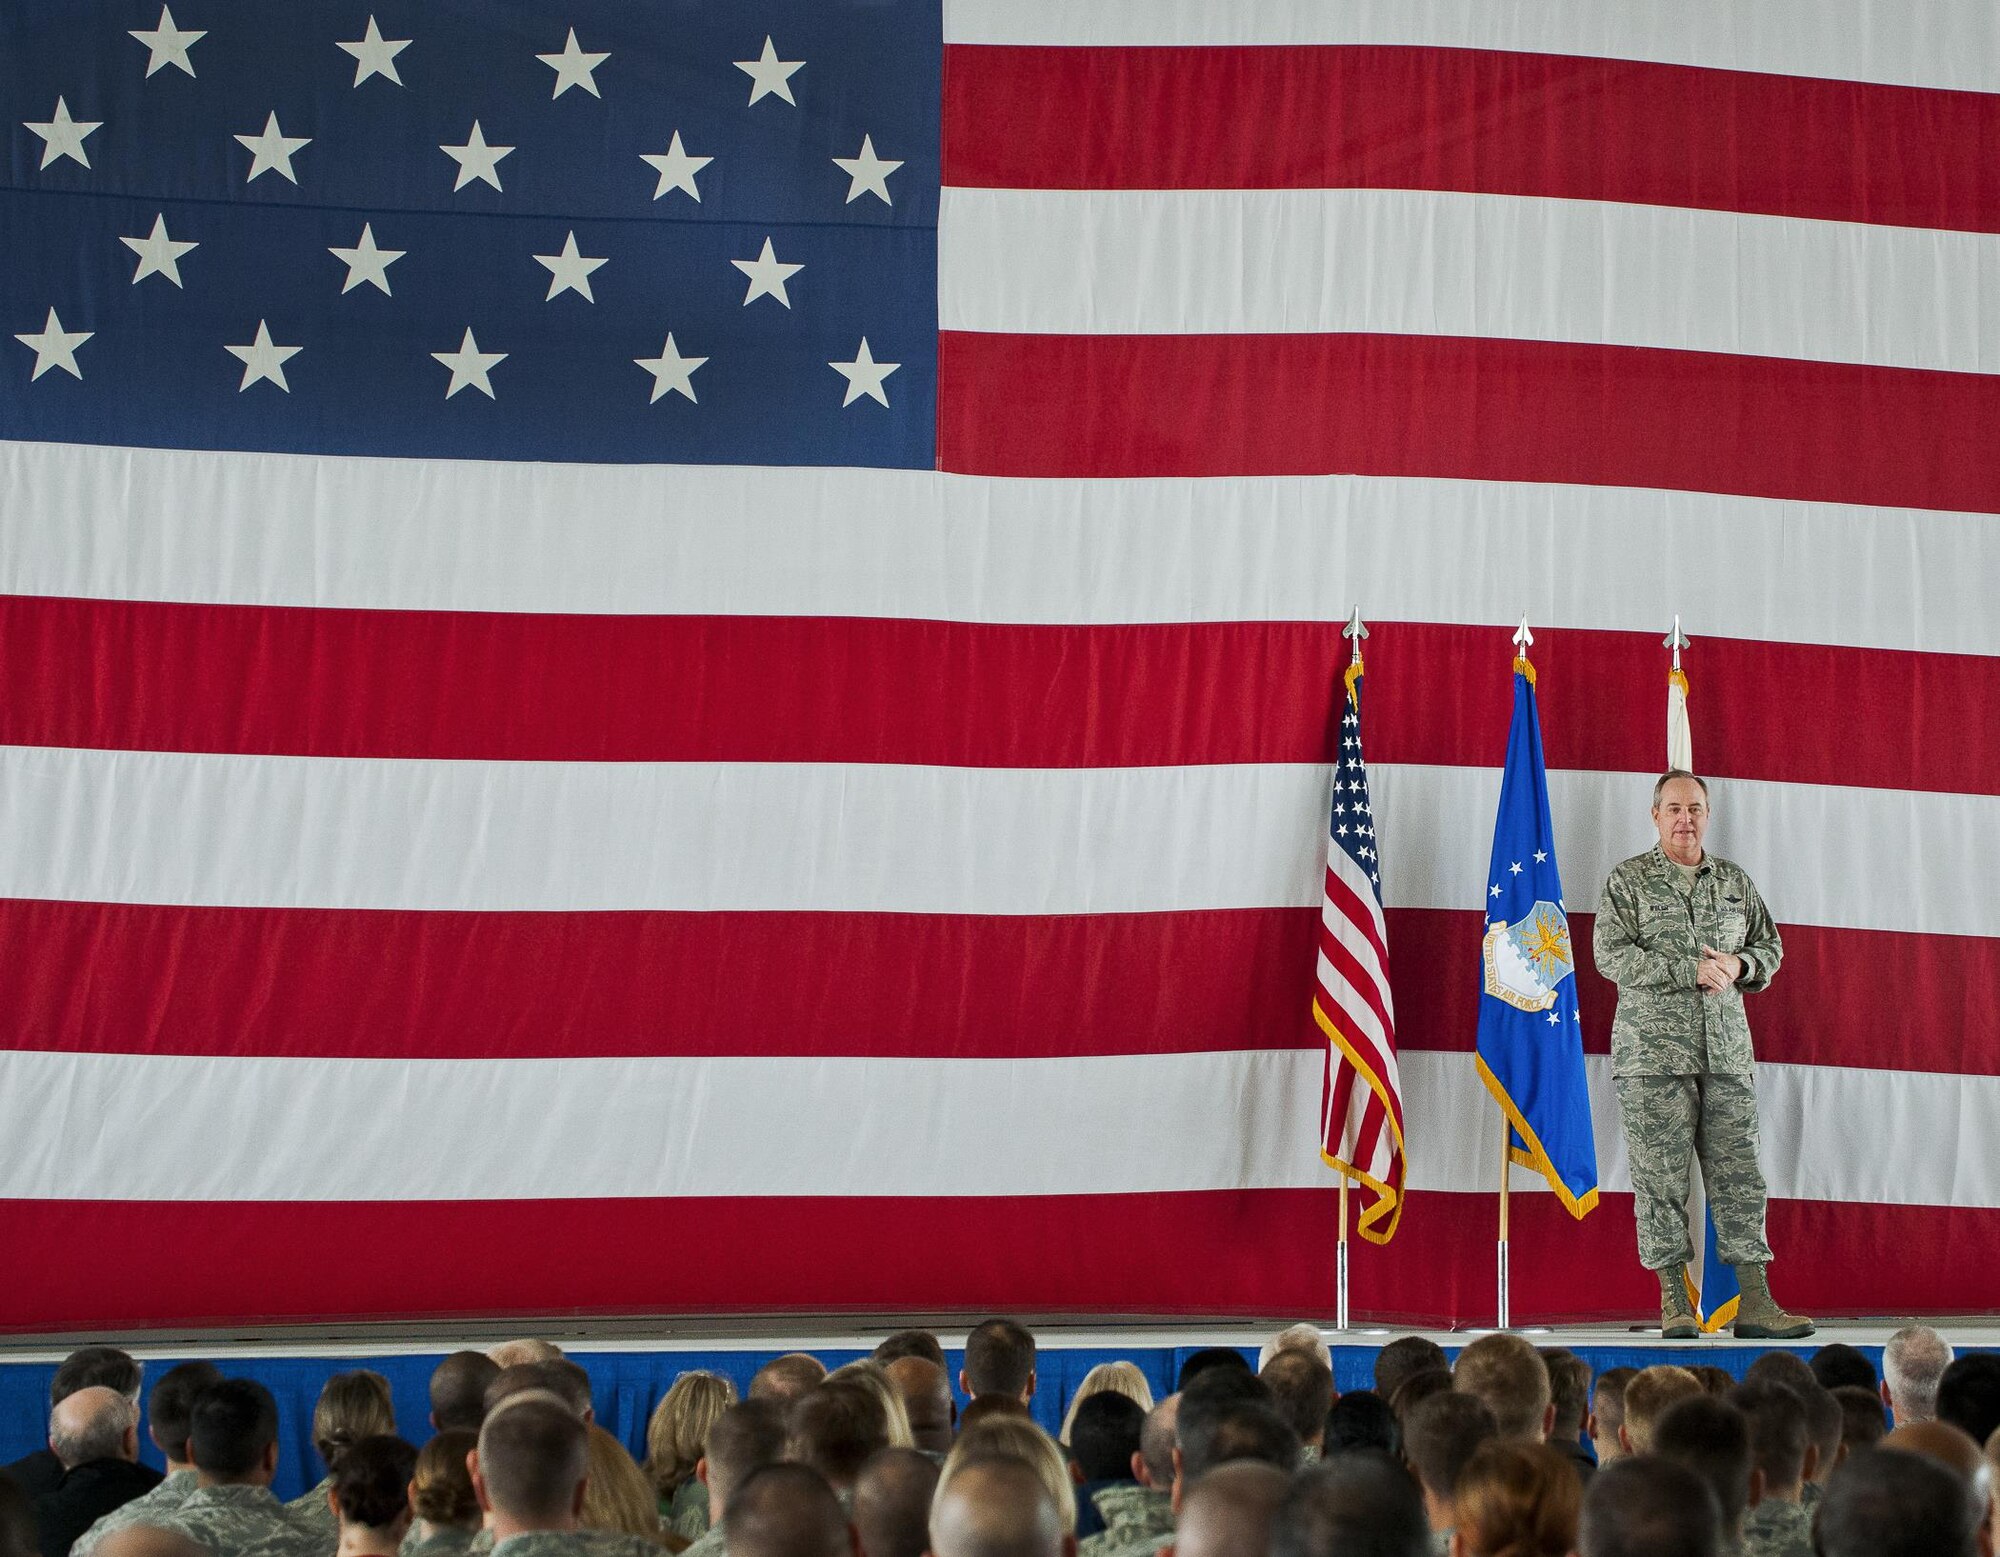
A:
x: 91, y: 1425
x: 1660, y: 784
x: 1299, y: 1337
x: 1912, y: 1363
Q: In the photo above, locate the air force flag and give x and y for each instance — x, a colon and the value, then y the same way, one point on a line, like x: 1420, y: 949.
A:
x: 1530, y: 1033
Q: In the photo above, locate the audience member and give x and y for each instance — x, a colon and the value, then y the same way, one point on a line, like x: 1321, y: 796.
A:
x: 370, y: 1495
x: 617, y: 1495
x: 874, y: 1378
x: 1717, y: 1381
x: 1402, y: 1359
x: 999, y: 1360
x: 745, y: 1438
x: 95, y: 1434
x: 1018, y: 1438
x: 1200, y: 1361
x: 1140, y: 1514
x: 1837, y: 1363
x: 1360, y: 1419
x: 352, y: 1406
x: 1607, y: 1413
x: 1296, y: 1338
x: 1648, y: 1506
x: 675, y: 1435
x: 985, y: 1407
x: 1509, y: 1375
x: 1647, y: 1396
x: 458, y: 1391
x: 1516, y: 1499
x: 910, y: 1343
x: 1782, y: 1367
x: 1240, y: 1430
x: 1122, y: 1378
x: 1230, y: 1511
x: 1824, y: 1421
x: 87, y: 1367
x: 1969, y: 1395
x: 145, y: 1541
x: 994, y: 1506
x: 1782, y: 1456
x: 168, y: 1410
x: 928, y: 1403
x: 786, y: 1511
x: 1359, y: 1504
x: 443, y: 1506
x: 17, y: 1519
x: 1416, y: 1389
x: 556, y: 1376
x: 1950, y: 1447
x: 834, y: 1428
x: 511, y: 1354
x: 1569, y: 1393
x: 1439, y: 1436
x: 233, y: 1439
x: 786, y: 1378
x: 1711, y: 1437
x: 892, y: 1502
x: 529, y: 1472
x: 1302, y: 1393
x: 1863, y: 1419
x: 1891, y: 1503
x: 1912, y: 1364
x: 1103, y: 1443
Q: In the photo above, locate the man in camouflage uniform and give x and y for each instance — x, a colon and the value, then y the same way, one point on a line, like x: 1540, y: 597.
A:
x: 529, y: 1474
x: 233, y: 1440
x: 1685, y: 937
x: 1139, y: 1515
x: 168, y: 1409
x: 1780, y: 1525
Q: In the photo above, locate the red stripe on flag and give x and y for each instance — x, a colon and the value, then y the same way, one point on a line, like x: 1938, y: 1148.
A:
x: 1476, y: 409
x: 1347, y: 905
x: 158, y: 676
x: 1476, y: 120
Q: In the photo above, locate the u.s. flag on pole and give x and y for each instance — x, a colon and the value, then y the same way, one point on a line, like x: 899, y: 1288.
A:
x: 1361, y: 1130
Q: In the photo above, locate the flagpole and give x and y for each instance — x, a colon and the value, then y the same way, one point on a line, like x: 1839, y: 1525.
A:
x: 1523, y: 638
x: 1340, y: 1298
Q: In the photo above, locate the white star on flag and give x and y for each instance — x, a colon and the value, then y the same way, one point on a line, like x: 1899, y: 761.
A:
x: 476, y: 159
x: 167, y: 43
x: 1541, y: 857
x: 1494, y: 890
x: 375, y: 55
x: 573, y: 67
x: 1515, y: 867
x: 63, y: 136
x: 867, y: 174
x: 158, y: 254
x: 670, y: 370
x: 768, y: 275
x: 366, y: 262
x: 469, y: 366
x: 864, y: 376
x: 769, y: 75
x: 569, y: 271
x: 676, y: 168
x: 55, y: 347
x: 271, y: 151
x: 263, y: 358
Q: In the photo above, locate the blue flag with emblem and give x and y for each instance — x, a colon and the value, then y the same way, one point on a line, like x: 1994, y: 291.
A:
x: 1530, y: 1030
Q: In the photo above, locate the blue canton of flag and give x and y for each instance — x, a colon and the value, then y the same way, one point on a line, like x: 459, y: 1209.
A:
x: 1530, y: 1030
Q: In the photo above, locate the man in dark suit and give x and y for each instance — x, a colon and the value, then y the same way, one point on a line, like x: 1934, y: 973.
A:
x: 39, y: 1472
x: 94, y: 1433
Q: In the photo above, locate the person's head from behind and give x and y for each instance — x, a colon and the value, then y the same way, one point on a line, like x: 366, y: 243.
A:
x: 910, y: 1343
x: 1104, y: 1437
x: 834, y: 1429
x: 509, y: 1354
x: 1440, y: 1436
x: 617, y: 1495
x: 1159, y: 1437
x: 1402, y: 1359
x: 927, y: 1400
x: 1781, y: 1454
x: 370, y: 1494
x: 999, y: 1360
x: 786, y: 1510
x: 745, y: 1438
x: 1361, y: 1419
x: 1968, y: 1395
x: 1569, y: 1392
x: 677, y: 1431
x: 1019, y: 1437
x: 1204, y: 1358
x: 1647, y: 1506
x: 1711, y: 1437
x: 441, y: 1492
x: 1245, y: 1430
x: 873, y: 1377
x: 531, y: 1463
x: 1863, y: 1418
x: 996, y: 1505
x: 1118, y: 1378
x: 140, y: 1541
x: 1837, y: 1363
x: 1301, y: 1389
x: 1913, y: 1363
x: 1516, y: 1498
x: 458, y: 1391
x: 352, y: 1406
x: 94, y: 1423
x: 1210, y: 1395
x: 556, y: 1376
x: 1647, y: 1396
x: 1359, y: 1504
x: 1415, y: 1390
x: 170, y: 1408
x: 1888, y: 1502
x: 90, y: 1367
x: 1607, y: 1412
x: 892, y: 1503
x: 1509, y: 1375
x: 786, y: 1378
x: 233, y: 1434
x: 1301, y: 1337
x: 1230, y: 1511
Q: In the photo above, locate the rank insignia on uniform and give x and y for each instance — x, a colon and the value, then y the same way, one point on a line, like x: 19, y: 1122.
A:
x: 1526, y: 961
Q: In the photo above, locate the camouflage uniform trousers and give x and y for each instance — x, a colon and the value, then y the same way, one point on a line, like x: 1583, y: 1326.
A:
x: 1671, y: 1120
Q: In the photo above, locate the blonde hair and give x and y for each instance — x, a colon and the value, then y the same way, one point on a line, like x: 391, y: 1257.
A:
x: 351, y: 1407
x: 441, y: 1486
x: 1301, y: 1337
x: 1517, y: 1499
x: 617, y: 1495
x: 873, y: 1377
x: 1016, y: 1438
x: 680, y: 1424
x: 1647, y: 1396
x: 511, y: 1354
x: 1108, y: 1378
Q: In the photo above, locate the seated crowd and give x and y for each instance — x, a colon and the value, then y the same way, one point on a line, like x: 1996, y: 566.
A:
x: 1505, y: 1452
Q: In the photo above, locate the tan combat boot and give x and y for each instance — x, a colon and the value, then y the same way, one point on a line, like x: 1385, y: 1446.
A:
x: 1758, y: 1317
x: 1677, y: 1321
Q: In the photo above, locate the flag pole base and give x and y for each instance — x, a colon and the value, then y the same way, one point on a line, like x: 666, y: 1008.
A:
x: 1340, y: 1258
x: 1505, y: 1316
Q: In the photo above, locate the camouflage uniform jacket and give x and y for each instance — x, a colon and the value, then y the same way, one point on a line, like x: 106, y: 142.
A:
x: 1648, y: 941
x: 686, y: 1513
x: 243, y: 1521
x: 707, y: 1544
x: 436, y: 1541
x: 1778, y: 1530
x: 312, y: 1510
x: 1137, y: 1521
x: 577, y: 1543
x: 148, y: 1508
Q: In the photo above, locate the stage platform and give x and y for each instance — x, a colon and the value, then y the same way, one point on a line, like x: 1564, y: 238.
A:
x: 632, y: 1363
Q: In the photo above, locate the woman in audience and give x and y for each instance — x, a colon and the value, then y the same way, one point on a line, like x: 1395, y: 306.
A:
x: 352, y: 1406
x: 370, y: 1495
x: 618, y: 1495
x: 1122, y: 1377
x: 876, y: 1378
x: 1516, y: 1500
x: 674, y: 1436
x: 1017, y: 1437
x: 444, y: 1508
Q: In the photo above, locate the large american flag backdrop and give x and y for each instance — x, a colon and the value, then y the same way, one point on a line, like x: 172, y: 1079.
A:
x: 541, y: 774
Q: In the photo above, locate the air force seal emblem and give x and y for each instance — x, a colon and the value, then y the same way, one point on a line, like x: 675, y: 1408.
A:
x: 1526, y: 960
